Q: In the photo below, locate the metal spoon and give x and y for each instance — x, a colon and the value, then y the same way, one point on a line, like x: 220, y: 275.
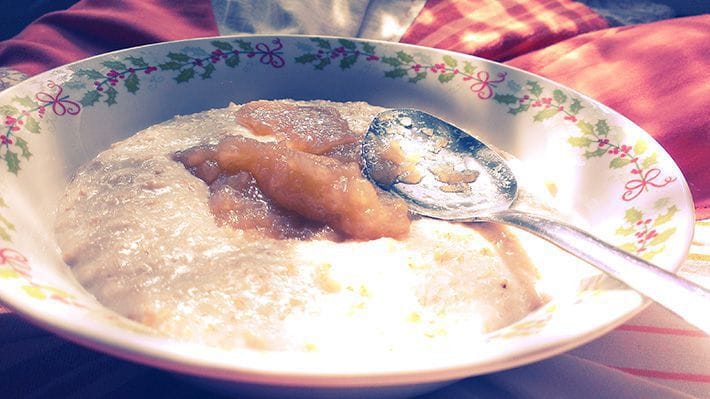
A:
x: 445, y: 173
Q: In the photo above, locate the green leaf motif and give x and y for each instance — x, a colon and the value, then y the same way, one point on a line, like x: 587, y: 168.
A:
x: 559, y: 96
x: 633, y: 215
x: 545, y: 114
x: 305, y: 58
x: 12, y: 161
x: 90, y: 73
x: 580, y: 141
x: 394, y: 61
x: 446, y: 77
x: 468, y: 68
x: 534, y: 88
x: 179, y: 57
x: 137, y: 62
x: 132, y: 83
x: 350, y: 45
x: 419, y: 76
x: 396, y: 73
x: 322, y: 43
x: 324, y: 62
x: 593, y: 154
x: 586, y: 128
x: 111, y: 94
x: 649, y: 161
x: 90, y: 98
x: 640, y: 147
x: 507, y: 99
x: 348, y: 61
x: 224, y: 46
x: 625, y: 231
x: 665, y: 217
x: 662, y: 236
x: 450, y: 61
x: 232, y: 61
x: 619, y: 162
x: 368, y: 48
x: 602, y: 127
x: 25, y: 101
x: 244, y: 45
x: 7, y: 109
x: 32, y: 125
x: 170, y: 66
x: 24, y: 148
x: 404, y: 57
x: 575, y: 107
x: 185, y: 75
x: 117, y: 65
x: 519, y: 109
x: 207, y: 72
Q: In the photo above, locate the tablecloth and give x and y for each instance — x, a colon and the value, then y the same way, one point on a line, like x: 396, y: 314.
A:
x: 655, y: 73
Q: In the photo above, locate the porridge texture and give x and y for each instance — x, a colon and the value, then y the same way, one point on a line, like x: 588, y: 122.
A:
x: 252, y: 227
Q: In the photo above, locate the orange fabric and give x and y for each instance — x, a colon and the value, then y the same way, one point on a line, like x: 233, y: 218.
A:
x: 657, y: 75
x: 499, y: 29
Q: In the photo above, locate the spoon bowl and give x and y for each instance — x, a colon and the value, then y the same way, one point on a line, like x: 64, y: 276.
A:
x: 445, y: 173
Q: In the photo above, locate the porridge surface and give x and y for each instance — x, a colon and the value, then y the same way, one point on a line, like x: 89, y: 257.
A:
x: 136, y: 227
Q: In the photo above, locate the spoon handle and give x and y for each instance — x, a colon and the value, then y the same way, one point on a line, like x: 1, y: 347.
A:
x: 683, y: 297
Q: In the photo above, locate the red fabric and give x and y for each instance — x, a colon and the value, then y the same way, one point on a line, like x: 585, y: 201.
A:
x: 499, y: 29
x: 655, y: 74
x: 96, y: 26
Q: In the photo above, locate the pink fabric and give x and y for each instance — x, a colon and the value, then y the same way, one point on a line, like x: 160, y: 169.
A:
x: 92, y: 27
x: 653, y: 77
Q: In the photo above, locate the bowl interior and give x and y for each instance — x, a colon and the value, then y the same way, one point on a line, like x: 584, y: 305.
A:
x: 594, y: 163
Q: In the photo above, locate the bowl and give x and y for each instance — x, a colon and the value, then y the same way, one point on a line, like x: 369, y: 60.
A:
x: 593, y: 163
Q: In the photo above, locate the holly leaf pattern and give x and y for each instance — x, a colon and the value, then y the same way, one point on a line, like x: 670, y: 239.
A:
x: 321, y: 43
x: 640, y: 147
x: 224, y: 46
x: 446, y: 77
x: 576, y: 106
x: 31, y: 125
x: 208, y: 70
x: 419, y: 76
x: 117, y: 65
x: 350, y: 45
x: 507, y: 99
x: 368, y: 48
x: 468, y: 68
x: 90, y: 73
x: 534, y: 88
x: 662, y: 237
x: 111, y: 94
x: 132, y: 83
x: 185, y: 75
x: 12, y: 162
x: 579, y: 141
x: 25, y: 101
x: 170, y: 66
x: 633, y: 215
x: 396, y: 73
x: 619, y: 162
x: 601, y: 127
x: 666, y: 217
x: 348, y: 61
x: 232, y: 61
x: 90, y: 98
x: 24, y: 148
x: 450, y: 61
x: 559, y: 96
x: 137, y: 62
x: 545, y: 114
x: 179, y: 57
x: 586, y: 128
x: 305, y: 58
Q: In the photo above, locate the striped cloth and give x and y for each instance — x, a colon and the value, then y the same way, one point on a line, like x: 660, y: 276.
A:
x: 500, y: 29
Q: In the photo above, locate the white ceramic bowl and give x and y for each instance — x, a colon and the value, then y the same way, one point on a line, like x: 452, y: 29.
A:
x: 596, y: 164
